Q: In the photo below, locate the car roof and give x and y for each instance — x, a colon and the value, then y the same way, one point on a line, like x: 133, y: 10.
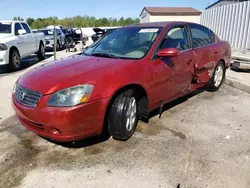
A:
x: 158, y: 24
x: 13, y: 21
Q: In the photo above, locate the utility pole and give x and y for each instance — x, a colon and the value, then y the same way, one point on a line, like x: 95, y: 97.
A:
x: 55, y: 42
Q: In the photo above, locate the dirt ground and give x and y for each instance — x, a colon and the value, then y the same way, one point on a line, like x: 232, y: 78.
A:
x: 200, y: 141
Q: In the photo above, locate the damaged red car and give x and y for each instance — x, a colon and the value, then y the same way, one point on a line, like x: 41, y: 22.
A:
x: 119, y: 80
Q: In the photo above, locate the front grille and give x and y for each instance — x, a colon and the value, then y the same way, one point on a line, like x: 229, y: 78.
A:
x: 27, y: 97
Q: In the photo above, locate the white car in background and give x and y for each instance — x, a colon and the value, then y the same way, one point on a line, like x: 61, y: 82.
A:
x: 18, y: 41
x: 49, y: 38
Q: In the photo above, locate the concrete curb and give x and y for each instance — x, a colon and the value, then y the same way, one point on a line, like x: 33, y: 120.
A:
x: 237, y: 85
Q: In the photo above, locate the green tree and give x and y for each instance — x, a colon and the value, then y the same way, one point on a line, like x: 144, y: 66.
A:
x: 30, y: 21
x: 79, y: 21
x: 18, y: 18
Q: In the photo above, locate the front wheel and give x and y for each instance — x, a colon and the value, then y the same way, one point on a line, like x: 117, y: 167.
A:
x: 217, y: 78
x: 15, y: 60
x: 123, y: 115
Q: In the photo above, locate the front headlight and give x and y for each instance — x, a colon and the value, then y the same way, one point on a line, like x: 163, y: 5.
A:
x: 71, y: 96
x: 3, y: 47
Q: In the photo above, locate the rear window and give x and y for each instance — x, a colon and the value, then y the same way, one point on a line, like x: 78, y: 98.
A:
x: 47, y: 32
x: 201, y: 35
x: 5, y: 27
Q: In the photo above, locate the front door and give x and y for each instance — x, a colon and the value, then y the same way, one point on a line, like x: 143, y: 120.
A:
x: 173, y: 75
x: 21, y: 40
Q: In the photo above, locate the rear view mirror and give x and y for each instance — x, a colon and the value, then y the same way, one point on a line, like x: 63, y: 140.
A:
x: 21, y: 32
x: 168, y: 52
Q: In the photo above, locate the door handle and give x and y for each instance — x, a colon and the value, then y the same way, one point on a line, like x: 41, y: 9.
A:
x: 216, y: 52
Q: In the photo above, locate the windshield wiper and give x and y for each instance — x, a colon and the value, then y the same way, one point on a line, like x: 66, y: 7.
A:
x: 100, y: 54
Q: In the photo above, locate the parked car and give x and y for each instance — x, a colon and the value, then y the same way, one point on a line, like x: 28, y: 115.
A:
x: 18, y: 41
x: 119, y: 80
x: 100, y: 33
x: 49, y: 37
x: 75, y: 34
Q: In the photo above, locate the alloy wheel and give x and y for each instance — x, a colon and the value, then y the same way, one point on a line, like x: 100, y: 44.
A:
x: 131, y: 114
x: 218, y: 77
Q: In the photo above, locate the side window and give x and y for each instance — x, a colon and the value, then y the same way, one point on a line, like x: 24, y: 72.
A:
x: 176, y: 38
x: 26, y: 27
x: 17, y: 27
x: 201, y: 36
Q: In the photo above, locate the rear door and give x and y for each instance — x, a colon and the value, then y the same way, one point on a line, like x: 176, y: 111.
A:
x: 205, y: 51
x: 173, y: 75
x: 30, y: 39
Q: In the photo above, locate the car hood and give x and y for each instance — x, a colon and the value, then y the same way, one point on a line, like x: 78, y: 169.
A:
x: 71, y: 71
x: 49, y: 37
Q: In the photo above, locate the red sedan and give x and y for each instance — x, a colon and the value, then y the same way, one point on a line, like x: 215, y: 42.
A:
x: 120, y: 79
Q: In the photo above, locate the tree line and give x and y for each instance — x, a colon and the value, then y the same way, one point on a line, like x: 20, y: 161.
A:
x: 78, y: 21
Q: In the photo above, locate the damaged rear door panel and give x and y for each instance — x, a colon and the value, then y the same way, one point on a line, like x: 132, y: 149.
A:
x: 205, y: 51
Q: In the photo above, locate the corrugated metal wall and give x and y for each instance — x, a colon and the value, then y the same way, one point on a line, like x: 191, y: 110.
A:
x: 230, y: 22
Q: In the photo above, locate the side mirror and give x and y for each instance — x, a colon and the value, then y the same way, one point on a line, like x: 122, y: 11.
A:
x: 22, y: 31
x: 168, y: 52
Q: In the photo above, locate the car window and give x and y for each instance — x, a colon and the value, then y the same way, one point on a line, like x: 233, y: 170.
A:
x: 25, y: 26
x: 176, y: 38
x: 141, y: 38
x: 133, y: 42
x: 5, y: 27
x: 17, y: 27
x: 201, y: 36
x: 58, y: 32
x: 47, y: 32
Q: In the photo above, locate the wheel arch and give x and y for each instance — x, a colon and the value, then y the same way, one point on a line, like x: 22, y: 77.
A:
x: 14, y: 48
x: 143, y: 108
x: 223, y: 61
x: 41, y: 42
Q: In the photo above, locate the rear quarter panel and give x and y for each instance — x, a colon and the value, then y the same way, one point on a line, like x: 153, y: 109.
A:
x: 39, y: 37
x: 225, y: 52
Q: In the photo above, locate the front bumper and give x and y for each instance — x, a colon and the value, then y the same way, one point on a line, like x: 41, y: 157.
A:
x: 49, y: 44
x: 4, y: 57
x: 62, y: 124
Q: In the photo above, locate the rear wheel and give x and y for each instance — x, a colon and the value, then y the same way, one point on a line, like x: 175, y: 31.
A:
x: 57, y: 46
x: 41, y: 52
x: 15, y: 60
x: 217, y: 78
x: 123, y: 115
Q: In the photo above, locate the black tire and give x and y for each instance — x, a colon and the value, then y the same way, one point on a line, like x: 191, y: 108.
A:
x: 41, y: 52
x: 120, y: 112
x: 215, y: 83
x: 14, y: 60
x: 58, y: 46
x: 64, y: 45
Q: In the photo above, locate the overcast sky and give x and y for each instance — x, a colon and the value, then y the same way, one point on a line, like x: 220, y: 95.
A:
x: 97, y: 8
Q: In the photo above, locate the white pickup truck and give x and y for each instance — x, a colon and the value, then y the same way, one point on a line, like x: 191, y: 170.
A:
x: 18, y: 41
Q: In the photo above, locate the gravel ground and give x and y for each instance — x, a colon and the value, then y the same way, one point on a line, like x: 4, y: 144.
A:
x: 201, y: 141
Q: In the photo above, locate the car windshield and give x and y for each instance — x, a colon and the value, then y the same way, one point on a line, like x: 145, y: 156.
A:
x: 5, y: 27
x: 127, y: 43
x: 47, y: 32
